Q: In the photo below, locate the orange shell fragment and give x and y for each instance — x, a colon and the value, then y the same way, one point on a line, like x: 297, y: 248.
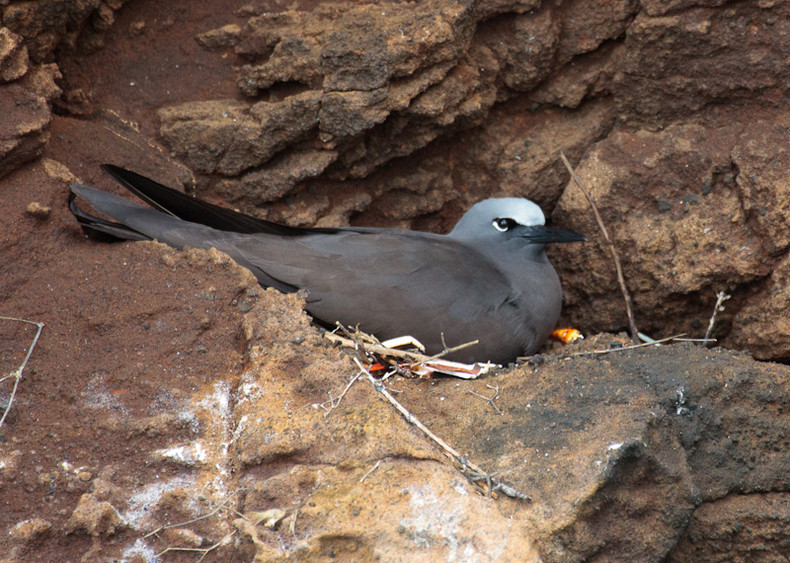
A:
x: 566, y: 335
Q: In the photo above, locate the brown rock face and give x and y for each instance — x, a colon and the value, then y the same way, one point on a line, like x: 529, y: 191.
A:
x: 172, y: 404
x: 676, y: 65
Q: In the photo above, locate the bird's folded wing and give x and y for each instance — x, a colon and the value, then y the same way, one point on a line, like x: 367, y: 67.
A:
x: 365, y: 278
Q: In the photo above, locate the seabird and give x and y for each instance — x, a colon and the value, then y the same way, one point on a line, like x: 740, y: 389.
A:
x: 488, y: 279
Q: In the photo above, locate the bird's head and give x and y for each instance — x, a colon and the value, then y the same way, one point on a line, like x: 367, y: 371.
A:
x: 509, y: 219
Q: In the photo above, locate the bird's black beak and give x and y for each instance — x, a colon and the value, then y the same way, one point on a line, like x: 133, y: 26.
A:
x: 540, y: 234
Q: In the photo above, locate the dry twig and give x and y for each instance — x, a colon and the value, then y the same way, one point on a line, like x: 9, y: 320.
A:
x: 447, y: 350
x: 721, y: 297
x: 193, y: 520
x: 615, y: 257
x: 372, y: 469
x: 409, y: 364
x: 490, y: 400
x: 472, y: 471
x: 623, y: 348
x: 17, y: 373
x: 203, y: 550
x: 334, y: 403
x: 368, y: 347
x: 374, y: 347
x: 371, y: 346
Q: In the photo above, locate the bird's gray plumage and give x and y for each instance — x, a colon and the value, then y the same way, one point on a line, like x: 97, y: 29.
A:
x: 487, y: 280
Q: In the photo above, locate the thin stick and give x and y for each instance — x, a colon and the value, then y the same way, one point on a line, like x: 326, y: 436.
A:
x: 449, y: 350
x: 490, y: 400
x: 332, y: 404
x: 409, y: 416
x: 449, y: 450
x: 349, y: 341
x: 17, y: 374
x: 204, y: 550
x: 721, y: 297
x: 622, y: 348
x: 615, y: 257
x: 369, y: 471
x: 207, y: 515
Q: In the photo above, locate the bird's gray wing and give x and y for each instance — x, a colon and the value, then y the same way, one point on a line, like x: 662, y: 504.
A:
x: 390, y: 283
x: 422, y: 268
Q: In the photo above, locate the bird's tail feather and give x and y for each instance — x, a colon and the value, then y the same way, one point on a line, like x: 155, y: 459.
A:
x: 134, y: 221
x: 98, y: 227
x: 189, y: 208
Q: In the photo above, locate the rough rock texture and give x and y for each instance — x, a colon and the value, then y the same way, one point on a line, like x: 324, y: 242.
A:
x: 13, y: 56
x: 25, y: 95
x: 210, y: 397
x: 697, y: 234
x: 378, y: 83
x: 167, y: 386
x: 30, y: 34
x: 52, y: 25
x: 741, y: 528
x: 676, y: 64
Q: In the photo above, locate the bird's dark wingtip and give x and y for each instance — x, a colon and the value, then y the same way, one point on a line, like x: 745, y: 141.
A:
x: 188, y: 208
x: 128, y: 178
x: 110, y: 168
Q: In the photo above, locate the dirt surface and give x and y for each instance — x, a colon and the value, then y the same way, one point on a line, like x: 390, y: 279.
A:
x: 170, y: 402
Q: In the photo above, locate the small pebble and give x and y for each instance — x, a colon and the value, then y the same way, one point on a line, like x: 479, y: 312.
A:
x: 37, y: 210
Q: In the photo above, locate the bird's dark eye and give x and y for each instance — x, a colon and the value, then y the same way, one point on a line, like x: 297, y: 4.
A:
x: 503, y: 224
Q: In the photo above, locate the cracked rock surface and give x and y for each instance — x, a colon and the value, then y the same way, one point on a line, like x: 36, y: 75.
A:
x: 173, y: 404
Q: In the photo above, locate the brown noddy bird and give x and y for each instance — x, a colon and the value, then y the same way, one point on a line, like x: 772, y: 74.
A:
x: 488, y: 279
